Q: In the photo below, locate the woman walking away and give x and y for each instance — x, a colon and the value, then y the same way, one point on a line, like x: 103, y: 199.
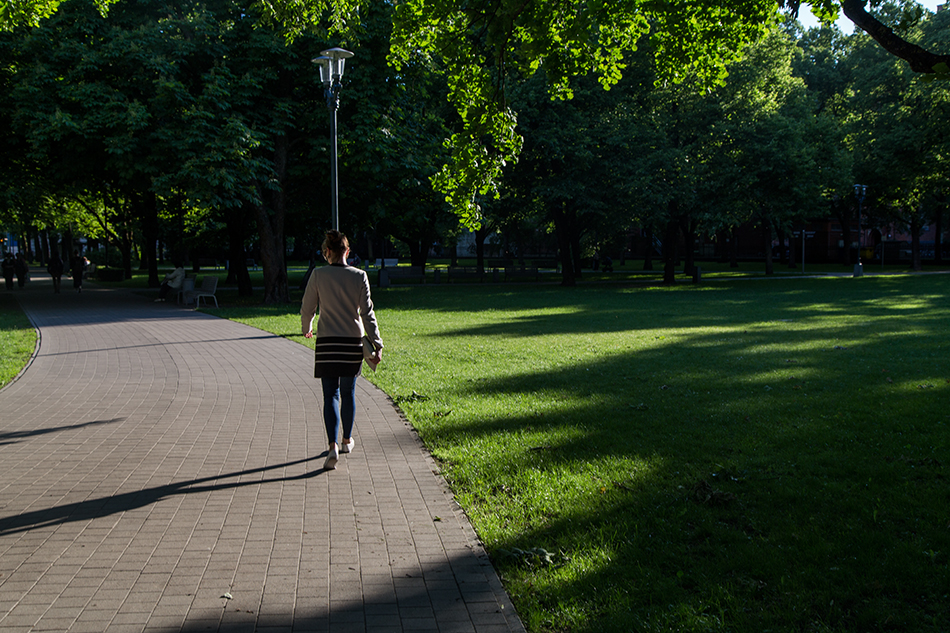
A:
x: 340, y: 293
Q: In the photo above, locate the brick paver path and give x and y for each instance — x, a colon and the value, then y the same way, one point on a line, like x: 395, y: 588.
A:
x: 161, y: 470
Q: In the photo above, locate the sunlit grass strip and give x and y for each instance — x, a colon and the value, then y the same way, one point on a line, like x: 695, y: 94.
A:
x: 737, y: 456
x: 17, y: 339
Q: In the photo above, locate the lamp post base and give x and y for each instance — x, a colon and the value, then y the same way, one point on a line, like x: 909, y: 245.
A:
x: 859, y: 270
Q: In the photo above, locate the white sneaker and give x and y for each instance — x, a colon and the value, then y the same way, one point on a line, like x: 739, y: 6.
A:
x: 346, y: 447
x: 332, y: 458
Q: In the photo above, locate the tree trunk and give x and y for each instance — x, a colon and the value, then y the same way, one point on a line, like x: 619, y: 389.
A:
x: 150, y: 238
x: 782, y: 251
x: 648, y: 256
x: 236, y: 220
x: 275, y: 276
x: 575, y: 240
x: 938, y: 237
x: 915, y: 226
x: 44, y: 245
x: 845, y: 255
x: 418, y: 252
x: 67, y: 245
x: 689, y: 235
x: 792, y: 251
x: 125, y: 242
x: 767, y: 241
x: 480, y: 234
x: 37, y: 247
x: 270, y: 226
x: 669, y: 250
x: 733, y: 249
x: 562, y: 229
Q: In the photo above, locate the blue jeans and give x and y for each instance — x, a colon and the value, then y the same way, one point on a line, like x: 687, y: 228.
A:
x: 339, y: 405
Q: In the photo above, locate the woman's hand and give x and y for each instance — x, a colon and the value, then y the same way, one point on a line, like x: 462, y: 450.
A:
x: 308, y: 334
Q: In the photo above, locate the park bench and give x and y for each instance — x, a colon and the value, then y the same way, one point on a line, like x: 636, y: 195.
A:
x: 208, y: 262
x: 187, y: 287
x: 522, y: 272
x: 546, y: 263
x: 384, y: 263
x: 464, y: 272
x: 389, y: 274
x: 209, y: 285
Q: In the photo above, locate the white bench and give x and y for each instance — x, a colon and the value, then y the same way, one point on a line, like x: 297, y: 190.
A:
x: 209, y: 284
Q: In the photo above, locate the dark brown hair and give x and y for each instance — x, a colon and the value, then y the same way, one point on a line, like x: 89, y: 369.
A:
x: 335, y: 242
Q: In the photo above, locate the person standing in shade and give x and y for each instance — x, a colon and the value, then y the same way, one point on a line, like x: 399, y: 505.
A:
x: 9, y: 270
x: 56, y: 268
x: 341, y: 295
x: 22, y: 270
x: 77, y: 266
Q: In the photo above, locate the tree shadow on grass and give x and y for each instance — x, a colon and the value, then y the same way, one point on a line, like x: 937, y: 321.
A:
x: 678, y: 510
x: 592, y: 309
x: 766, y: 473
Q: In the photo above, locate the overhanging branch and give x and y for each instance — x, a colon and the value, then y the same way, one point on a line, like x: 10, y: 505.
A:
x: 920, y: 59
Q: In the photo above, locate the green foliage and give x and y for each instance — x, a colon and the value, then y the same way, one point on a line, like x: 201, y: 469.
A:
x: 25, y: 12
x: 481, y: 44
x: 894, y: 120
x: 324, y: 18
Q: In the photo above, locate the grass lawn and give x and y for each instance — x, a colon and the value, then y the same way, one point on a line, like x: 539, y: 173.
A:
x: 17, y: 339
x: 743, y: 455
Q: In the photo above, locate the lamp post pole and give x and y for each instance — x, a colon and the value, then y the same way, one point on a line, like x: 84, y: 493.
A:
x: 859, y: 191
x: 331, y: 63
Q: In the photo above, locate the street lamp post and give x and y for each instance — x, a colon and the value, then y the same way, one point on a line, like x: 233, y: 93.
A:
x: 331, y: 63
x: 859, y: 191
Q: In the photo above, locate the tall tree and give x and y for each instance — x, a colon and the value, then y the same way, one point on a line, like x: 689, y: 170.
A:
x: 898, y: 135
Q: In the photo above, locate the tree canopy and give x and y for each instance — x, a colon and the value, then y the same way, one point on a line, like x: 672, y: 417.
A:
x: 479, y: 43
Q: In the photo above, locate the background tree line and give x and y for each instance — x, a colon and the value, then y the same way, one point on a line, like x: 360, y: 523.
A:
x: 184, y: 123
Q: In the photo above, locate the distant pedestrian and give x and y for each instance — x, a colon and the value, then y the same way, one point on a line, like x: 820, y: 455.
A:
x: 172, y: 281
x: 22, y: 270
x: 56, y: 268
x: 9, y: 270
x: 77, y: 267
x: 341, y: 295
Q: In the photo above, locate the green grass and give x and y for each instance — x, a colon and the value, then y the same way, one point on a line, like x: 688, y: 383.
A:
x: 630, y: 271
x: 736, y: 456
x: 17, y: 339
x: 744, y: 455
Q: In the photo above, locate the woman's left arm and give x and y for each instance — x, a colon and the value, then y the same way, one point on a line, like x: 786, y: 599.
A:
x: 309, y: 306
x: 368, y: 314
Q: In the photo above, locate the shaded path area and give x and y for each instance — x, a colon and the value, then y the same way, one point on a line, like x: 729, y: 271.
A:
x: 161, y: 470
